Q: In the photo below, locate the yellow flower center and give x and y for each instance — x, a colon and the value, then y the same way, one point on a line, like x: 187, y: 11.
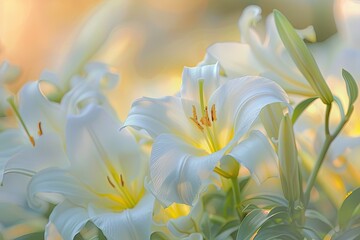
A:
x: 126, y: 196
x: 206, y: 123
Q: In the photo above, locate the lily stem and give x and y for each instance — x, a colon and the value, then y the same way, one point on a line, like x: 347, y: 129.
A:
x: 237, y: 198
x: 329, y: 138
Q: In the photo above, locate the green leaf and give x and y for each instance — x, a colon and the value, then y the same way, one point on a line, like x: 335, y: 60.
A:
x: 228, y: 229
x: 351, y: 234
x: 158, y: 236
x: 250, y: 224
x: 302, y: 57
x: 32, y: 236
x: 346, y: 211
x: 299, y: 109
x: 259, y: 218
x: 271, y: 200
x: 317, y: 224
x: 279, y: 232
x: 351, y: 87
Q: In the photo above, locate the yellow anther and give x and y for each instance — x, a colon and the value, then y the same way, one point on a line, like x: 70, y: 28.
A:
x: 213, y: 113
x: 122, y: 180
x: 40, y: 132
x: 32, y: 140
x: 205, y: 120
x: 111, y: 183
x: 197, y: 123
x: 194, y: 112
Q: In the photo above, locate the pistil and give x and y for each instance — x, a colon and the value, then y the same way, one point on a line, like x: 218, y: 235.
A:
x: 206, y: 124
x: 115, y: 179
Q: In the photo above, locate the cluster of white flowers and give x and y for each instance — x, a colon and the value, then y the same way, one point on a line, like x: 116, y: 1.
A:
x: 218, y: 160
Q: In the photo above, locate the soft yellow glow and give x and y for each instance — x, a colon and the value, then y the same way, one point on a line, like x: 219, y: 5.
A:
x: 174, y: 211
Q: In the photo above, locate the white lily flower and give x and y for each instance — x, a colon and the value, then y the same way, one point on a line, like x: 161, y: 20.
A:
x: 194, y: 130
x: 45, y: 121
x: 103, y: 183
x: 256, y: 56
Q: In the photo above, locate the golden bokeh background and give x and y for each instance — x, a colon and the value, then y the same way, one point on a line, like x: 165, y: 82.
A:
x: 150, y: 45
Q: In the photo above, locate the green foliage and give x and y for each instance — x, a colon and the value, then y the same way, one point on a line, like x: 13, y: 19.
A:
x: 349, y: 211
x: 351, y: 87
x: 32, y: 236
x: 158, y: 236
x: 251, y: 223
x: 300, y: 108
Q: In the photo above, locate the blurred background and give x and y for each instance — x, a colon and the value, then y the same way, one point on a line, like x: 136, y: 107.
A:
x: 152, y: 41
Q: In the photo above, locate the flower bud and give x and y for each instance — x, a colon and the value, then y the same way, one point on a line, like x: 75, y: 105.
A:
x: 288, y: 162
x: 302, y: 57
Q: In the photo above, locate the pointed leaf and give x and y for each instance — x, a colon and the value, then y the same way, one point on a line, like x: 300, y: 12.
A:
x: 348, y: 207
x: 300, y: 108
x: 250, y: 224
x: 351, y: 86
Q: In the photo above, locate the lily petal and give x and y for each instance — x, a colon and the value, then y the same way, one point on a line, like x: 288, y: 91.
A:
x: 157, y: 116
x: 48, y: 152
x: 102, y: 22
x: 93, y: 139
x: 239, y: 102
x: 178, y: 170
x: 347, y: 18
x: 34, y: 107
x: 257, y: 155
x: 232, y: 55
x: 57, y: 181
x: 68, y: 219
x: 130, y: 224
x: 190, y: 88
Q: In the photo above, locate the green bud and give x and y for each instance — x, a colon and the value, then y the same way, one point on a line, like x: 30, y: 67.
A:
x: 288, y: 162
x: 302, y: 57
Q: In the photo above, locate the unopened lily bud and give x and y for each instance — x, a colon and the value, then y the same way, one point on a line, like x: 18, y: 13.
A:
x: 288, y: 162
x: 302, y: 57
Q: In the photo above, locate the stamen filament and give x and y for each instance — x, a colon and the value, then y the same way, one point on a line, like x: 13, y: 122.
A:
x: 114, y: 179
x: 205, y: 122
x: 13, y: 106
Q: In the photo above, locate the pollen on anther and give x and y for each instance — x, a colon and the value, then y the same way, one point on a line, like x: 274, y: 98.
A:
x: 122, y: 180
x: 32, y: 140
x: 194, y: 112
x: 205, y: 119
x: 213, y: 113
x: 40, y: 132
x: 197, y: 123
x: 110, y: 182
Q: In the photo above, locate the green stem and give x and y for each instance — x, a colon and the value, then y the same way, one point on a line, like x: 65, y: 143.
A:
x: 13, y: 106
x: 328, y: 140
x: 237, y: 198
x: 327, y: 120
